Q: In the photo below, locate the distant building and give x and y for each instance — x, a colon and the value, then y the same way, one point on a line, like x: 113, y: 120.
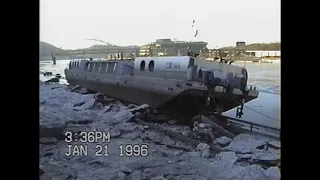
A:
x: 145, y: 50
x: 264, y: 53
x: 167, y: 47
x: 240, y: 45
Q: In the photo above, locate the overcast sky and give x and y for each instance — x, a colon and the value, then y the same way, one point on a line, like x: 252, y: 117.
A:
x: 67, y: 23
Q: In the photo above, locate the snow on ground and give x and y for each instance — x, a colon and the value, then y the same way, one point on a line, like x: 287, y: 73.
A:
x: 62, y: 111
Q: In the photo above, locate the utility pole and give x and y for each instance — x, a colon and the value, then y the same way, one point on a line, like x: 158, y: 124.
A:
x: 53, y: 58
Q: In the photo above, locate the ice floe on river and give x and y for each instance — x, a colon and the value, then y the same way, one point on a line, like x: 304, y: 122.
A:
x: 62, y: 110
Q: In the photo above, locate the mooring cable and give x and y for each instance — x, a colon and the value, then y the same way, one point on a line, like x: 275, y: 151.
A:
x: 252, y: 109
x: 248, y: 107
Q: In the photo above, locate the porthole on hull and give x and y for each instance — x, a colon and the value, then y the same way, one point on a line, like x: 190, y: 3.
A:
x: 151, y: 66
x: 142, y: 65
x: 200, y: 73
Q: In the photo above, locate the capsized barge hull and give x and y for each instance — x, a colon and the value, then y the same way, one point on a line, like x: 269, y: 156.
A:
x: 126, y: 81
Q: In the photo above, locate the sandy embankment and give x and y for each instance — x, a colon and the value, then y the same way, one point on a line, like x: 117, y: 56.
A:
x: 62, y: 110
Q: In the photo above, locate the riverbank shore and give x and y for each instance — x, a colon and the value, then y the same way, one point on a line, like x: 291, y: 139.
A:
x: 164, y: 158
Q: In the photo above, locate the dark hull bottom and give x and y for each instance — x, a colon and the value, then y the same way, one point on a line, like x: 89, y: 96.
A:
x: 189, y: 103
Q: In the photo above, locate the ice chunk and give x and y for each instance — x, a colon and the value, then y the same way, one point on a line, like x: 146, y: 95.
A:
x: 253, y: 172
x: 273, y: 173
x: 244, y: 143
x: 222, y: 140
x: 204, y: 150
x: 225, y: 160
x: 120, y: 117
x: 269, y: 155
x: 85, y: 106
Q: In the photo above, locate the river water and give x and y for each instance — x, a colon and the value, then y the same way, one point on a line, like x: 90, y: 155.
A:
x: 264, y: 110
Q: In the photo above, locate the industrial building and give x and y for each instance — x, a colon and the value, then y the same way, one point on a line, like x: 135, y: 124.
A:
x: 264, y: 53
x: 167, y: 47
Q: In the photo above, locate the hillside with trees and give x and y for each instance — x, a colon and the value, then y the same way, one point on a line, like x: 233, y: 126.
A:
x: 45, y: 49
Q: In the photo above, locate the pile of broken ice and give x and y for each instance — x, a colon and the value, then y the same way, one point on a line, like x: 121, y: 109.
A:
x: 62, y: 110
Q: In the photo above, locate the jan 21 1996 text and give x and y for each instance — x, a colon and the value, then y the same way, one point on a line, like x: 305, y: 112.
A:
x: 102, y: 150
